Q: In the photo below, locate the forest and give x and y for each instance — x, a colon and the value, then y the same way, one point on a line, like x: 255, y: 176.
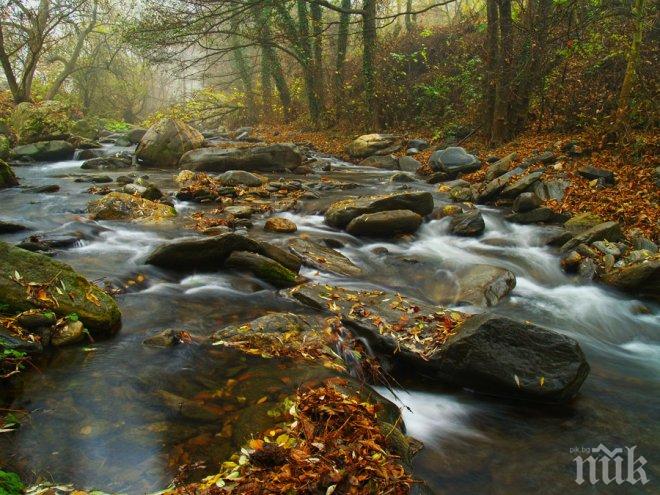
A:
x: 329, y: 247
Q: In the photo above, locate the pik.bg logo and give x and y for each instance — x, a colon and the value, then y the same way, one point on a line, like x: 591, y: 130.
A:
x: 609, y: 466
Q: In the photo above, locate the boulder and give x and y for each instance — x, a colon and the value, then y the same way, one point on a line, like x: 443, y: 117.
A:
x: 7, y: 176
x: 340, y: 214
x: 323, y: 258
x: 135, y: 135
x: 521, y: 185
x: 642, y: 277
x: 212, y: 252
x: 484, y: 285
x: 526, y: 202
x: 106, y: 163
x: 493, y: 188
x: 275, y: 157
x: 165, y: 143
x: 240, y: 178
x: 239, y: 211
x: 402, y: 177
x: 542, y: 214
x: 487, y: 353
x: 263, y: 268
x: 87, y: 128
x: 385, y: 223
x: 408, y: 164
x: 386, y: 162
x: 454, y: 161
x: 582, y: 222
x: 610, y: 231
x: 467, y: 224
x: 281, y: 225
x: 70, y: 332
x: 30, y: 281
x: 122, y: 206
x: 44, y: 151
x: 370, y: 144
x: 594, y: 173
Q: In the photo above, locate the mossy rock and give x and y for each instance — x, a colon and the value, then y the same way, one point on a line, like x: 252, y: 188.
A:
x: 122, y: 206
x: 5, y: 146
x: 582, y: 222
x: 20, y: 270
x: 7, y: 176
x: 89, y: 127
x: 165, y: 142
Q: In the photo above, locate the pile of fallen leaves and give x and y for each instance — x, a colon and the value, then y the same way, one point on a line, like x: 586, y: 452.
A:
x: 332, y: 443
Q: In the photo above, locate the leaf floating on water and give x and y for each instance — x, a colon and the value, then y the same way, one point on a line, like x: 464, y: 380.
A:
x: 515, y: 377
x: 542, y: 380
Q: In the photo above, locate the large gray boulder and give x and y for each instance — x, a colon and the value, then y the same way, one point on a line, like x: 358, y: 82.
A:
x: 487, y: 353
x: 385, y: 223
x: 269, y: 158
x: 44, y: 151
x: 35, y: 281
x: 370, y: 144
x: 165, y: 143
x: 341, y: 213
x: 211, y: 253
x: 453, y: 161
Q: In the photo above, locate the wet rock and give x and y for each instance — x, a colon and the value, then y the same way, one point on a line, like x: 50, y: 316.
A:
x: 44, y: 151
x: 526, y: 202
x: 402, y: 177
x: 462, y: 194
x: 134, y: 136
x: 607, y: 247
x: 7, y: 176
x: 241, y: 178
x: 48, y: 242
x: 35, y: 318
x: 521, y: 185
x: 11, y: 228
x: 274, y: 157
x: 571, y: 262
x: 281, y: 225
x: 610, y: 231
x: 340, y: 214
x: 95, y: 309
x: 239, y: 211
x: 594, y: 173
x: 107, y: 163
x: 385, y: 223
x: 531, y: 362
x: 370, y: 144
x: 582, y: 222
x: 70, y: 332
x: 189, y: 409
x: 166, y: 338
x: 642, y: 277
x: 495, y: 186
x: 263, y: 268
x: 485, y: 285
x: 557, y: 236
x: 122, y: 206
x: 587, y: 269
x: 9, y: 340
x: 438, y: 177
x: 453, y: 161
x: 323, y: 258
x: 542, y: 214
x: 387, y: 162
x: 467, y: 224
x: 165, y: 143
x: 500, y: 167
x: 124, y: 179
x: 211, y: 253
x: 50, y: 188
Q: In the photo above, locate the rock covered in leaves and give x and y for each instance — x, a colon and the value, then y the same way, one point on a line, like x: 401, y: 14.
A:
x: 341, y: 213
x: 530, y: 363
x: 29, y: 280
x: 280, y: 225
x: 165, y: 142
x: 122, y: 206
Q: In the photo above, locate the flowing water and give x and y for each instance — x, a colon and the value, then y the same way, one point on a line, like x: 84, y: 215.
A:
x: 98, y: 417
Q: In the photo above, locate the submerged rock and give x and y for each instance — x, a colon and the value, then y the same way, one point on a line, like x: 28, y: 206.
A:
x: 165, y: 143
x: 256, y: 159
x: 341, y: 213
x: 29, y: 280
x: 44, y: 151
x: 122, y: 206
x: 385, y: 223
x: 487, y: 353
x: 323, y: 258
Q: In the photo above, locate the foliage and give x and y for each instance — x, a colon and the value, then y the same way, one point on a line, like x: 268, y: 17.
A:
x: 10, y: 484
x: 11, y: 362
x: 37, y: 122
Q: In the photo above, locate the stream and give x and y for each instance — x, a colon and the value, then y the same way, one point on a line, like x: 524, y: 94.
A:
x: 97, y: 420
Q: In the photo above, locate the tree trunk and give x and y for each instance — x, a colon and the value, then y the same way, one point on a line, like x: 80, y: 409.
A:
x: 410, y: 22
x: 317, y: 32
x: 246, y: 79
x: 266, y: 86
x: 280, y: 83
x: 501, y: 130
x: 305, y: 50
x: 491, y: 65
x: 631, y: 68
x: 369, y: 40
x: 342, y: 48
